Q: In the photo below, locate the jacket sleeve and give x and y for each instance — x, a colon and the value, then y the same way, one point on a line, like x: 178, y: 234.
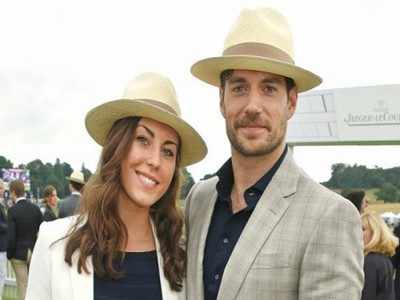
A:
x: 3, y: 219
x: 332, y: 266
x: 11, y: 235
x: 39, y: 287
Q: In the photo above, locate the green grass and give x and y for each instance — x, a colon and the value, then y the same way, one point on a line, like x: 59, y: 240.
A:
x: 9, y: 293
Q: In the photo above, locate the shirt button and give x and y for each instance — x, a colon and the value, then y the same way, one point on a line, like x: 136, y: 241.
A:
x: 226, y: 240
x: 216, y: 277
x: 251, y: 194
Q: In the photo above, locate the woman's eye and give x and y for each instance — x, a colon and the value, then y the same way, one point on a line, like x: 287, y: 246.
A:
x: 142, y: 139
x: 168, y: 153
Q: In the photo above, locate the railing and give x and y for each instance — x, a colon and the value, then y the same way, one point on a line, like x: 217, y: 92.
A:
x: 10, y: 286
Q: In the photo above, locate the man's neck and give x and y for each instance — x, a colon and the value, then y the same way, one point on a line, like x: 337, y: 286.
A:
x: 248, y: 170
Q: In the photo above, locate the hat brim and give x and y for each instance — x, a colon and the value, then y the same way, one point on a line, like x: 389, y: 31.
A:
x: 209, y: 69
x: 100, y: 120
x: 75, y: 180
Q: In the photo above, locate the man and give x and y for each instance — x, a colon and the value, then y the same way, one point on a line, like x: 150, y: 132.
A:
x: 69, y: 205
x: 24, y: 219
x: 261, y: 228
x: 3, y: 239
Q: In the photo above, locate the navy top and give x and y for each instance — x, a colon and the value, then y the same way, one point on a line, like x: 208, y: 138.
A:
x: 141, y: 279
x: 226, y: 227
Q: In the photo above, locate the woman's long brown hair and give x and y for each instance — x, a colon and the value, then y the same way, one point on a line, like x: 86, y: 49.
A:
x: 99, y: 231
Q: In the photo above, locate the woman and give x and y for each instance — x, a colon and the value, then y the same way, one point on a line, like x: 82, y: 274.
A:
x: 358, y: 199
x: 379, y: 245
x: 126, y: 241
x: 50, y: 212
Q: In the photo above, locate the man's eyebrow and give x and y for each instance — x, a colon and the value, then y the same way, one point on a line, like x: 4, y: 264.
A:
x: 236, y: 80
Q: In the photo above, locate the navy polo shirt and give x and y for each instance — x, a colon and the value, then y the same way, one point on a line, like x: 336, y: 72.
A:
x: 226, y: 227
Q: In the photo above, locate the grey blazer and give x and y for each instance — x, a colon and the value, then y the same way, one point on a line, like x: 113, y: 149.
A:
x: 302, y: 241
x: 69, y: 205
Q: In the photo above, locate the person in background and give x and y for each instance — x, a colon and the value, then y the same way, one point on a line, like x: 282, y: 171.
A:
x: 358, y: 199
x: 50, y: 203
x: 126, y: 243
x: 70, y: 205
x: 396, y: 264
x: 379, y: 246
x: 24, y: 219
x: 3, y: 239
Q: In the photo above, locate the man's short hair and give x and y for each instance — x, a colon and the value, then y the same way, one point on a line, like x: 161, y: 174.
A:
x: 76, y: 186
x: 18, y: 187
x: 227, y: 74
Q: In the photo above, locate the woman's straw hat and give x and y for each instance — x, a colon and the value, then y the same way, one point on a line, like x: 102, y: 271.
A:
x: 152, y: 96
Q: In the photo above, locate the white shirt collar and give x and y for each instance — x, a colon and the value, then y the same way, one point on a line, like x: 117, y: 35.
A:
x: 75, y: 193
x: 20, y: 198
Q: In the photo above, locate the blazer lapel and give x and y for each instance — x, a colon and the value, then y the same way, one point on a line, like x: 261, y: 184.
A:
x: 269, y: 210
x: 206, y: 202
x: 82, y: 284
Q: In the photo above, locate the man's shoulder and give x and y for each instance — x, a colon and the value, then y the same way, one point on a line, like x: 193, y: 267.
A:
x: 205, y: 186
x: 328, y: 201
x: 71, y: 197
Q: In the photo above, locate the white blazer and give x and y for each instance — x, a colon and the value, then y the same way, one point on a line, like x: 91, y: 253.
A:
x: 51, y: 278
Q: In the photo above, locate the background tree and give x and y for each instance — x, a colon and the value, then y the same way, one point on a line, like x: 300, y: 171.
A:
x: 187, y: 183
x: 388, y: 193
x: 4, y: 164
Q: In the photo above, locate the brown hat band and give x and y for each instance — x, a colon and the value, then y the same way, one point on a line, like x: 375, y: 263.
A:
x: 160, y: 105
x: 258, y: 49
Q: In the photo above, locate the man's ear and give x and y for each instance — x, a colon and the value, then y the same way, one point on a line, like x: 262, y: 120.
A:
x: 221, y: 101
x: 292, y: 102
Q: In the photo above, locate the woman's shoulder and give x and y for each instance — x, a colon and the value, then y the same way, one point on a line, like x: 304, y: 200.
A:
x: 57, y: 229
x: 376, y: 260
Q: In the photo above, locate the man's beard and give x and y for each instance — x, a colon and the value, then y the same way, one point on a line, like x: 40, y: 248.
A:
x: 270, y: 144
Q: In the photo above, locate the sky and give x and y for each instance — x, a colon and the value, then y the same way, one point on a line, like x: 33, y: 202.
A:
x: 59, y: 59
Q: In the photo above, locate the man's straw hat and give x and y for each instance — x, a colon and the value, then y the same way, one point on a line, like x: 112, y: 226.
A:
x: 77, y: 177
x: 152, y: 96
x: 260, y: 40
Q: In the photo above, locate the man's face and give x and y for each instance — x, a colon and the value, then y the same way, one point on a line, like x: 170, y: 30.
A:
x: 13, y: 196
x: 256, y: 107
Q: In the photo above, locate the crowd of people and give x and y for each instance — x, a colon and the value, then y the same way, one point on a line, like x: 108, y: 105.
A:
x: 20, y: 222
x: 259, y: 229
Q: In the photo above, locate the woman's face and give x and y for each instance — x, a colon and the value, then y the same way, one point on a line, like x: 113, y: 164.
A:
x: 364, y: 205
x: 367, y: 233
x: 148, y: 168
x: 52, y: 199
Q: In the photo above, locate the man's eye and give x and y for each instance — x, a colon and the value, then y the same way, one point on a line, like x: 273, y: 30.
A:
x: 269, y: 89
x: 239, y: 89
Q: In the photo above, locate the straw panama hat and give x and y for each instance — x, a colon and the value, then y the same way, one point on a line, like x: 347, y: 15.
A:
x: 77, y: 177
x: 260, y: 40
x: 152, y: 96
